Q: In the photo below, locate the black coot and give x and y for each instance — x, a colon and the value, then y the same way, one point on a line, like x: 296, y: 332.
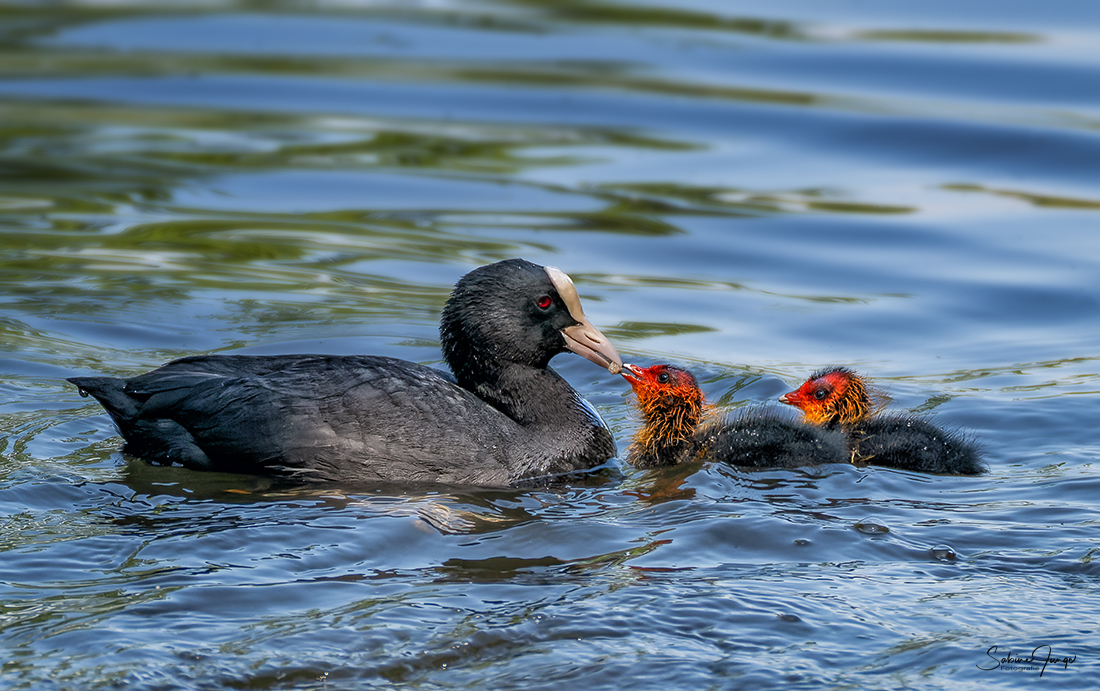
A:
x: 504, y: 417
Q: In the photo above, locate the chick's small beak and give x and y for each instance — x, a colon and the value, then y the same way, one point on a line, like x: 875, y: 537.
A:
x: 790, y: 398
x: 632, y: 373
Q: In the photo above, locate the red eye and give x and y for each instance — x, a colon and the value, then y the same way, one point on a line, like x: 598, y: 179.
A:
x: 544, y: 302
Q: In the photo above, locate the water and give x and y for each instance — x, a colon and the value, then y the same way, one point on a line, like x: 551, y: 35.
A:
x: 750, y: 192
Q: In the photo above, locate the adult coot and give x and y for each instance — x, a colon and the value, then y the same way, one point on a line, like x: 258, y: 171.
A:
x: 679, y: 427
x: 837, y: 398
x: 504, y: 417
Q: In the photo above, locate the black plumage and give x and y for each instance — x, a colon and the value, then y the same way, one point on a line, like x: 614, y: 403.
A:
x: 908, y: 442
x: 504, y: 417
x: 763, y: 438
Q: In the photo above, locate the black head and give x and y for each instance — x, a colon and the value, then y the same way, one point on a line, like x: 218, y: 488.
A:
x: 516, y: 312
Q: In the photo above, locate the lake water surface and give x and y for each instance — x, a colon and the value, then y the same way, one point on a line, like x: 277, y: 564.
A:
x: 752, y: 190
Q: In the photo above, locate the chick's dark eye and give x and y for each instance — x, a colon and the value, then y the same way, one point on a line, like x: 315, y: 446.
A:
x: 663, y: 377
x: 544, y: 302
x: 820, y: 394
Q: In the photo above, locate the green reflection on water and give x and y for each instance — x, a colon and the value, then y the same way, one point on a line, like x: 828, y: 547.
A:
x: 90, y: 215
x: 1037, y: 200
x: 638, y: 330
x: 728, y: 201
x: 943, y: 36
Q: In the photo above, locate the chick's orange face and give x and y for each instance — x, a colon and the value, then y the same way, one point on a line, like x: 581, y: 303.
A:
x: 658, y: 379
x: 670, y: 401
x: 820, y: 397
x: 662, y: 390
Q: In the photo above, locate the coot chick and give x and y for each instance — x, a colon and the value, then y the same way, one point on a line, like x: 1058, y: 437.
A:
x: 503, y: 418
x: 679, y: 426
x: 838, y: 398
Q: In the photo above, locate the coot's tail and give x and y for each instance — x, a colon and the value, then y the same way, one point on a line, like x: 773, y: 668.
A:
x: 156, y: 439
x: 110, y: 392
